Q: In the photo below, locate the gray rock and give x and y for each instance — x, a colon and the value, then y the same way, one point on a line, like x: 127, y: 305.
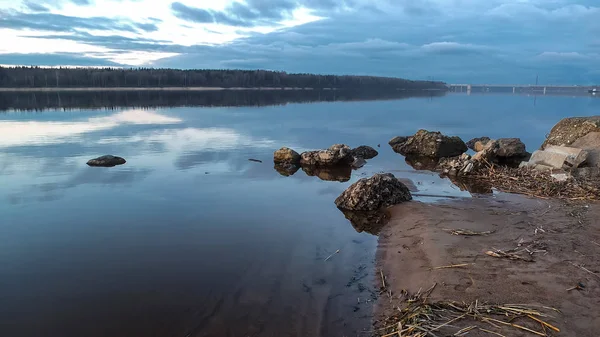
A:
x: 338, y: 154
x: 476, y: 144
x: 558, y: 157
x: 286, y: 155
x: 568, y: 130
x: 365, y: 152
x: 106, y: 161
x: 511, y: 147
x: 430, y: 144
x: 370, y: 194
x: 591, y: 144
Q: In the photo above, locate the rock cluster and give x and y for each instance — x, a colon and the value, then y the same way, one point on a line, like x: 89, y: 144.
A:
x: 371, y: 194
x: 333, y: 164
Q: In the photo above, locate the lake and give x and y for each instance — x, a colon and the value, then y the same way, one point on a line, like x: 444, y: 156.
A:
x: 190, y: 238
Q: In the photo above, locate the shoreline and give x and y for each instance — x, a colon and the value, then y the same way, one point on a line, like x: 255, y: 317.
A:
x: 562, y: 238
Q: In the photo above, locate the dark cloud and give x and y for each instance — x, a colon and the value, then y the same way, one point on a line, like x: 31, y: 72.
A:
x: 35, y: 7
x: 64, y: 23
x: 254, y: 12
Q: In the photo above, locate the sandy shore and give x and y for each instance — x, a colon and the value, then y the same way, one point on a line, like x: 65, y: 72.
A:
x: 564, y: 240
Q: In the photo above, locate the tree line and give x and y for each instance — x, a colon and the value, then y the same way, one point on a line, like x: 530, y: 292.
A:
x: 38, y: 77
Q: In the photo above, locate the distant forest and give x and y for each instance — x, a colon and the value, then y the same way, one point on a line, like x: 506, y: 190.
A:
x: 40, y: 101
x: 37, y: 77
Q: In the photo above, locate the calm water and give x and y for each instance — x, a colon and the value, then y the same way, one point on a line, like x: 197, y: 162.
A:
x: 189, y: 238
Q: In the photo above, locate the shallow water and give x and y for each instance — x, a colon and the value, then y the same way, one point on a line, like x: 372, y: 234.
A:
x: 190, y: 238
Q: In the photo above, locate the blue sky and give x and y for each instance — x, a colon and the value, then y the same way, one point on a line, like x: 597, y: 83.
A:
x: 457, y: 41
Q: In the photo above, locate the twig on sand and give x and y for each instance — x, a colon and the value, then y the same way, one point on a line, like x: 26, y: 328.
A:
x: 596, y: 243
x: 330, y: 256
x: 544, y: 323
x: 585, y: 269
x: 508, y: 255
x: 382, y: 279
x: 492, y: 332
x: 466, y: 232
x: 452, y: 266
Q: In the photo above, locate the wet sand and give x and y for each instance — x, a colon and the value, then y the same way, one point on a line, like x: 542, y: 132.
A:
x: 562, y: 236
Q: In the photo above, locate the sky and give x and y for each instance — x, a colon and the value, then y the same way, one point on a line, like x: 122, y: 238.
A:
x: 456, y: 41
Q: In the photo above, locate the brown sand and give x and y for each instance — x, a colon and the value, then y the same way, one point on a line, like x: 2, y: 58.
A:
x: 559, y: 234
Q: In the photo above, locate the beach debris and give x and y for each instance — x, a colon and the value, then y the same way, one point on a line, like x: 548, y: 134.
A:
x: 417, y: 317
x: 106, y: 161
x: 579, y: 286
x: 467, y: 232
x: 453, y: 266
x: 370, y: 194
x: 429, y: 144
x: 255, y: 160
x: 508, y: 255
x: 585, y: 269
x: 557, y: 158
x: 330, y: 256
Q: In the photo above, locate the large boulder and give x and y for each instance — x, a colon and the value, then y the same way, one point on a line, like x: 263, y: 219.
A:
x: 365, y: 152
x: 569, y: 130
x: 511, y: 148
x: 430, y: 144
x: 503, y: 151
x: 106, y: 161
x: 370, y: 194
x: 557, y: 157
x: 286, y: 155
x: 338, y: 154
x: 591, y: 144
x: 397, y: 141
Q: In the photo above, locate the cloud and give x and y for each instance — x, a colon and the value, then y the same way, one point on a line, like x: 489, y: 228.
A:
x: 65, y: 59
x: 452, y: 48
x: 35, y: 7
x: 15, y: 133
x: 64, y: 23
x: 564, y: 56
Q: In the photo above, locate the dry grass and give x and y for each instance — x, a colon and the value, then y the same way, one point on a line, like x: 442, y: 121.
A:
x: 416, y: 317
x: 536, y: 183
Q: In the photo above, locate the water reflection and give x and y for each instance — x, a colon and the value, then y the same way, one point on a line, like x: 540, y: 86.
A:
x: 369, y: 222
x: 171, y: 98
x: 340, y: 173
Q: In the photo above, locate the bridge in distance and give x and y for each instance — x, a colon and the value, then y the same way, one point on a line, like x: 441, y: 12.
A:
x: 520, y: 88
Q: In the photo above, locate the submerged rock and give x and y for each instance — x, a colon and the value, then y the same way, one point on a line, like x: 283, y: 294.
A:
x: 338, y: 154
x: 370, y: 194
x: 106, y: 161
x: 286, y: 155
x: 286, y: 169
x: 358, y: 162
x: 365, y: 152
x: 569, y: 130
x: 429, y: 144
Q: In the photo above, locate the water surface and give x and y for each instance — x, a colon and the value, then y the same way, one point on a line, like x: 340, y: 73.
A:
x: 189, y: 238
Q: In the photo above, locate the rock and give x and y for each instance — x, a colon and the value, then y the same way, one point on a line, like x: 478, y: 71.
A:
x: 286, y: 155
x: 430, y: 144
x: 397, y: 141
x: 558, y: 157
x: 477, y: 144
x: 587, y: 173
x: 511, y: 147
x: 365, y: 152
x: 341, y: 173
x: 358, y: 162
x: 568, y: 130
x: 337, y: 154
x: 370, y: 194
x: 286, y: 169
x: 106, y: 161
x: 591, y: 144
